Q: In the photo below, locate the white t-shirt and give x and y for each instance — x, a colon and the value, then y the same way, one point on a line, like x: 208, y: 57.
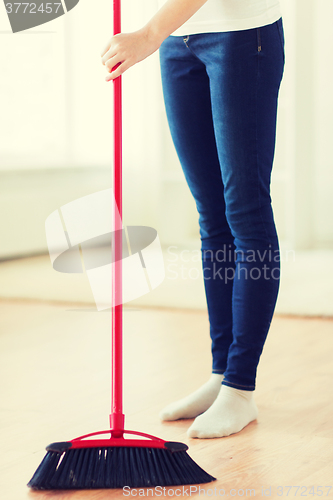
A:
x: 230, y: 15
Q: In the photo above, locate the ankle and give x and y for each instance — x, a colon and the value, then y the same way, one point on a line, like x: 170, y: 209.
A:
x: 228, y: 391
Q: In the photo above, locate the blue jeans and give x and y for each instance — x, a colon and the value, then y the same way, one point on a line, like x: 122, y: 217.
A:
x: 221, y: 92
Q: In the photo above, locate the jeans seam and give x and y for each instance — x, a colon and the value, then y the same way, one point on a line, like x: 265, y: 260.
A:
x: 259, y: 39
x: 257, y: 158
x: 185, y: 40
x: 257, y: 92
x: 281, y: 40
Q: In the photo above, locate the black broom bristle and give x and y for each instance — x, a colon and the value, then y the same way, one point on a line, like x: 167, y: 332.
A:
x: 117, y: 467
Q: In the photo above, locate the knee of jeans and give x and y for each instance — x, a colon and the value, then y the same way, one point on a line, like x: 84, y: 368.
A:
x: 214, y: 238
x: 253, y: 229
x: 214, y: 228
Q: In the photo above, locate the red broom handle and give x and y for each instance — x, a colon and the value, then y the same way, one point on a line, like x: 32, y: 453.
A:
x: 117, y: 417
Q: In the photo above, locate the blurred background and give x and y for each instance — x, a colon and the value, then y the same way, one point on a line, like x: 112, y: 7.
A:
x: 56, y: 146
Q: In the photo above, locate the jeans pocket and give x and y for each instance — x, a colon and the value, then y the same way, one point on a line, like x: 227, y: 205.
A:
x: 279, y: 26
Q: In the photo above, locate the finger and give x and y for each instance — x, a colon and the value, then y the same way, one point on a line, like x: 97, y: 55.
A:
x: 106, y: 48
x: 113, y: 63
x: 111, y: 43
x: 113, y: 75
x: 117, y: 72
x: 110, y: 53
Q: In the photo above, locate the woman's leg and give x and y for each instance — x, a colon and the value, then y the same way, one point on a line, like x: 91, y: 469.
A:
x: 245, y: 70
x: 186, y: 90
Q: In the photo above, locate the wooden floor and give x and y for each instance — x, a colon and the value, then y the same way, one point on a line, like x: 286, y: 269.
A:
x: 54, y: 365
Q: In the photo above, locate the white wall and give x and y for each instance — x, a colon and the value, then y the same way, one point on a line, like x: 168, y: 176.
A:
x: 305, y: 127
x: 56, y: 117
x: 323, y: 123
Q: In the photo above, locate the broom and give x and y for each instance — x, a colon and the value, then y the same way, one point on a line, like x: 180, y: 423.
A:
x: 116, y: 462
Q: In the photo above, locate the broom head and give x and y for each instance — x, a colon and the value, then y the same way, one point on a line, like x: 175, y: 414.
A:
x: 116, y: 463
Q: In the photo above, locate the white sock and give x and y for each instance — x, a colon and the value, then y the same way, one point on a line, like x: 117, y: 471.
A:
x: 196, y: 403
x: 232, y: 410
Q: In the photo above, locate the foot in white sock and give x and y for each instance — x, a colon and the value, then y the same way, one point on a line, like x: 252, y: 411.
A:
x: 196, y: 403
x: 232, y: 410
